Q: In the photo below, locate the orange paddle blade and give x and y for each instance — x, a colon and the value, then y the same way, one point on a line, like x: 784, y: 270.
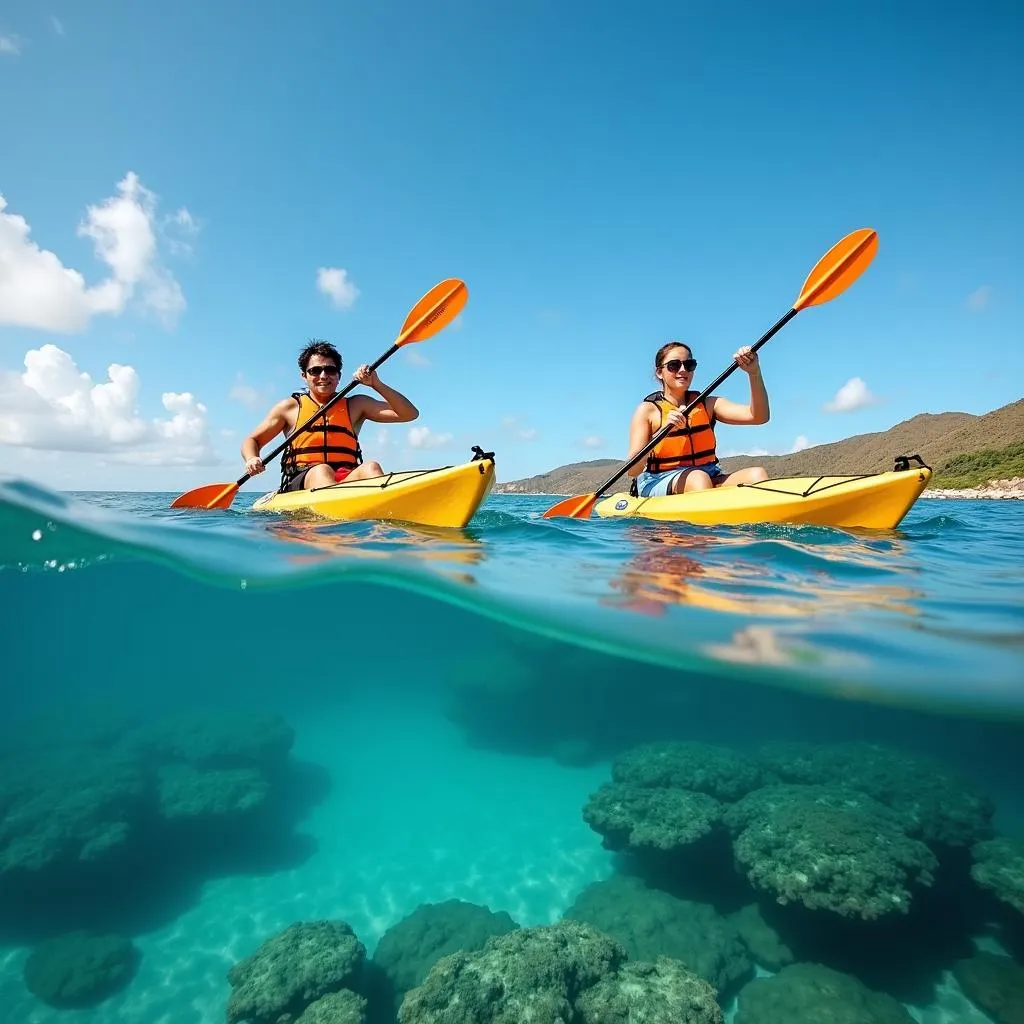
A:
x: 576, y: 507
x: 438, y: 308
x: 207, y: 496
x: 838, y: 268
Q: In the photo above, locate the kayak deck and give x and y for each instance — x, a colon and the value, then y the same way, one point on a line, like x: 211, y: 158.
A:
x: 878, y: 501
x: 446, y: 496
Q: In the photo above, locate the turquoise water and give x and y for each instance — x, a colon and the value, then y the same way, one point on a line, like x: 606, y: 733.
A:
x: 451, y: 701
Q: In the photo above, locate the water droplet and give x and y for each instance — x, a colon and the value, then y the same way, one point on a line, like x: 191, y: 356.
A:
x: 37, y: 534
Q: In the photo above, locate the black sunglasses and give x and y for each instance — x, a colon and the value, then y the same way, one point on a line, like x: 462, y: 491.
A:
x: 674, y: 365
x: 315, y: 371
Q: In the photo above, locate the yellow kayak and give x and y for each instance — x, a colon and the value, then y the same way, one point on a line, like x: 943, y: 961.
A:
x: 875, y: 502
x: 448, y: 496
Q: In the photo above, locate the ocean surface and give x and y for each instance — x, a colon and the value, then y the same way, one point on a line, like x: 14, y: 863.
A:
x: 216, y: 725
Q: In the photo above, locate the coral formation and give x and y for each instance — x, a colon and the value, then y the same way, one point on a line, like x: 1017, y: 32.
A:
x: 639, y: 818
x: 293, y: 969
x: 569, y: 973
x: 651, y: 924
x: 80, y: 969
x: 999, y: 867
x: 812, y: 994
x: 408, y: 949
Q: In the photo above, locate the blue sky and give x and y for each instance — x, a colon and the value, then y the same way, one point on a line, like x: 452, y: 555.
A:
x: 602, y: 180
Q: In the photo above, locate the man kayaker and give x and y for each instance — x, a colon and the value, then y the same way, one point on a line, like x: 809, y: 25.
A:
x: 685, y: 459
x: 328, y: 451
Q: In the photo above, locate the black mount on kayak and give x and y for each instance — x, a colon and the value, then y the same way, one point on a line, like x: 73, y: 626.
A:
x: 479, y: 453
x: 903, y: 463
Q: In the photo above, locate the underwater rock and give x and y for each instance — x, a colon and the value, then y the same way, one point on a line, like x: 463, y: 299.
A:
x: 699, y: 767
x: 763, y: 942
x: 812, y: 994
x: 408, y: 949
x: 60, y: 808
x: 186, y: 792
x: 235, y: 739
x: 568, y: 972
x: 664, y: 992
x: 651, y: 924
x: 935, y: 805
x: 296, y: 967
x: 999, y: 866
x: 529, y: 974
x: 828, y: 850
x: 342, y: 1007
x: 995, y: 984
x: 637, y: 818
x: 80, y: 969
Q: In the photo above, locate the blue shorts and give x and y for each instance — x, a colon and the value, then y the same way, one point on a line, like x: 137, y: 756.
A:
x: 657, y: 485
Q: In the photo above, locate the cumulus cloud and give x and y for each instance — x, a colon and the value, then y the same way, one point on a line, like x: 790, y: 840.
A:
x: 54, y: 406
x: 424, y: 437
x: 592, y: 441
x: 10, y: 45
x: 980, y: 298
x: 37, y: 290
x: 800, y: 444
x: 336, y: 285
x: 853, y: 395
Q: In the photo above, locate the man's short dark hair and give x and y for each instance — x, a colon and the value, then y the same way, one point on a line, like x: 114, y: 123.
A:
x: 316, y: 347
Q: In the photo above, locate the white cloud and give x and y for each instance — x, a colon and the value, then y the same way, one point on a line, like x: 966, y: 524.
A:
x: 53, y: 406
x: 11, y: 45
x: 416, y: 357
x: 980, y: 298
x: 730, y: 453
x: 179, y: 229
x: 853, y: 395
x: 37, y: 290
x: 244, y: 393
x: 522, y: 432
x: 800, y: 444
x: 335, y: 284
x: 58, y: 25
x: 592, y: 441
x: 424, y: 437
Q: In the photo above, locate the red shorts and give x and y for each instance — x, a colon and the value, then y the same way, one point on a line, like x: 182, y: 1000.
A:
x: 340, y: 474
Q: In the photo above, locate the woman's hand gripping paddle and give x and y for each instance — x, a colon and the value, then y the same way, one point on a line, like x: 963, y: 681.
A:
x: 438, y: 308
x: 832, y: 275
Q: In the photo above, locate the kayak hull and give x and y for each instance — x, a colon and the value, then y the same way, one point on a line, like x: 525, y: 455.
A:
x: 875, y: 502
x: 444, y: 497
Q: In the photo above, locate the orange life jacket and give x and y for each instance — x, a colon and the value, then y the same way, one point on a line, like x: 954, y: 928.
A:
x: 329, y: 439
x: 692, y: 445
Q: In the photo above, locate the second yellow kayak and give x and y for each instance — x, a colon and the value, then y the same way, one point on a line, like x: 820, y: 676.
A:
x: 447, y: 496
x: 875, y: 502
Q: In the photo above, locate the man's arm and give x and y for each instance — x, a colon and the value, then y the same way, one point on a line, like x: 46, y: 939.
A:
x: 274, y: 423
x: 395, y: 407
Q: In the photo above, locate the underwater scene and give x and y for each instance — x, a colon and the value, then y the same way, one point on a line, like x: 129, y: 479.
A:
x: 275, y: 771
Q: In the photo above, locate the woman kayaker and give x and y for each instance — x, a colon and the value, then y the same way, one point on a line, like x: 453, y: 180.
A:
x: 686, y: 458
x: 329, y: 450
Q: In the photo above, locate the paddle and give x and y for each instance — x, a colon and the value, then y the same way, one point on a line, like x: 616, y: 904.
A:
x: 832, y: 275
x: 434, y: 311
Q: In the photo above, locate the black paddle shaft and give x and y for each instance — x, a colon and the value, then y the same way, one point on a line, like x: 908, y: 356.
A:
x: 323, y: 408
x: 700, y: 398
